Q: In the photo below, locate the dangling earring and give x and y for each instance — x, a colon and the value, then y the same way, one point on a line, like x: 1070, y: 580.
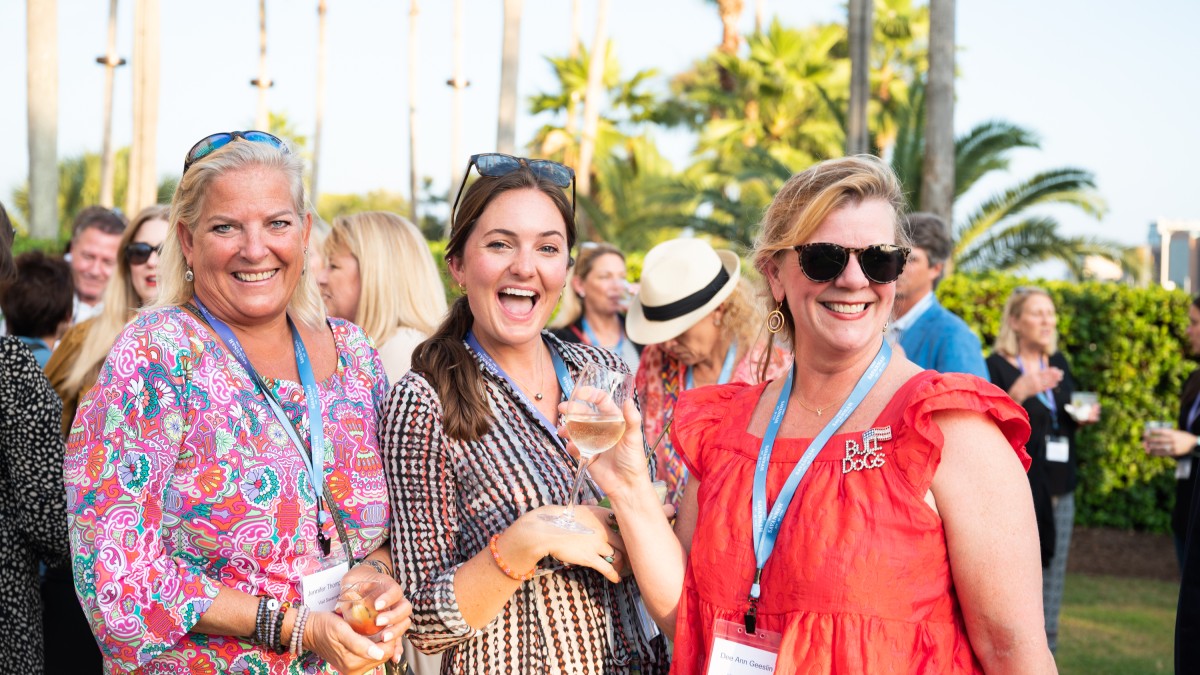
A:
x: 188, y: 276
x: 776, y: 320
x: 304, y: 269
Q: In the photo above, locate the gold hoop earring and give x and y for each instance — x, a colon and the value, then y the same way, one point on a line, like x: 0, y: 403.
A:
x: 776, y: 320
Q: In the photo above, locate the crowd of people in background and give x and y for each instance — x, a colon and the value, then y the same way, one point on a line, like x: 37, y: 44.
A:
x: 234, y: 441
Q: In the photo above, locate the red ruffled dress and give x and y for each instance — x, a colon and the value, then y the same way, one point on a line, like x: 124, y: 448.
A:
x: 859, y: 581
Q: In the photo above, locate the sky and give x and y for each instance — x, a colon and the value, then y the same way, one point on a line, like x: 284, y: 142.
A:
x: 1108, y: 87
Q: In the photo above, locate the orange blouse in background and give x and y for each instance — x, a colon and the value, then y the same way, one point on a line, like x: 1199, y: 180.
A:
x: 860, y: 577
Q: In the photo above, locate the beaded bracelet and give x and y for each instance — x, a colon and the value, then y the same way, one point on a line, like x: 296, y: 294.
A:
x: 297, y: 643
x: 377, y: 565
x: 260, y: 622
x: 503, y: 566
x: 277, y: 634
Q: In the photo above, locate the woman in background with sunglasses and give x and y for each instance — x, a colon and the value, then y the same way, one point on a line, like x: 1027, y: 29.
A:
x: 473, y: 456
x: 75, y: 363
x: 701, y: 325
x: 848, y: 517
x: 223, y: 478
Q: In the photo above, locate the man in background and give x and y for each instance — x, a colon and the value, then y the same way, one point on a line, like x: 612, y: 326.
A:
x: 930, y: 335
x: 93, y: 257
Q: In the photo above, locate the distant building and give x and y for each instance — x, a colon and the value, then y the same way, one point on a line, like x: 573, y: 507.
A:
x: 1175, y: 261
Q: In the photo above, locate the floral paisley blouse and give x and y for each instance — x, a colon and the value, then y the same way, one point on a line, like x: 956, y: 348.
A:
x: 180, y: 481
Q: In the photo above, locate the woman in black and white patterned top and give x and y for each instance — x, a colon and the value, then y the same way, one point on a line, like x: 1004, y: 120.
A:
x: 472, y: 457
x: 33, y: 516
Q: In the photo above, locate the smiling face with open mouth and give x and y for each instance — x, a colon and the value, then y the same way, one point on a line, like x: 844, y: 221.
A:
x: 847, y: 314
x: 247, y: 247
x: 513, y: 265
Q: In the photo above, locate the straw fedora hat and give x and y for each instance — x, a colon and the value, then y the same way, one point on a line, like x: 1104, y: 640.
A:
x: 683, y: 281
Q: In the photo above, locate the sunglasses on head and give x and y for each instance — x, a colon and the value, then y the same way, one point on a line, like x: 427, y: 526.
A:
x: 495, y: 164
x: 823, y: 262
x: 210, y: 144
x: 139, y: 252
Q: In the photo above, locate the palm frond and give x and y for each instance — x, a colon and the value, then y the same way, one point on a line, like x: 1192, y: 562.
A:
x: 1058, y: 186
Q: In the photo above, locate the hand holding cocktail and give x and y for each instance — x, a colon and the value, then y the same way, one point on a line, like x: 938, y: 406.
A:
x: 595, y: 422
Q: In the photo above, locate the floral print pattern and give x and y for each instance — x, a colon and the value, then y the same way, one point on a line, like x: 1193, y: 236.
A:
x: 180, y: 481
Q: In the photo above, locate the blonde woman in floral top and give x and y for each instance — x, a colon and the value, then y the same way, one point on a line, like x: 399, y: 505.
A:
x: 194, y: 518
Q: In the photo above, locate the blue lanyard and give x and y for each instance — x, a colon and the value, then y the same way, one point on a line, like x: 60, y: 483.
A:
x: 312, y: 397
x: 1046, y: 397
x: 726, y: 368
x: 565, y: 384
x: 595, y: 341
x: 766, y: 525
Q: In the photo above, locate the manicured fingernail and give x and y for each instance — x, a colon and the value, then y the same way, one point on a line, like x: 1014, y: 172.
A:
x: 387, y: 636
x: 380, y: 605
x: 375, y: 652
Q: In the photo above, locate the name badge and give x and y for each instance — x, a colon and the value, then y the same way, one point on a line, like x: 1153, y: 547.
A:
x: 1058, y: 449
x: 322, y: 588
x: 1183, y: 469
x: 736, y: 652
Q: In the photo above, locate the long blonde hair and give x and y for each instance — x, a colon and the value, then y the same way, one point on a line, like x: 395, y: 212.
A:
x: 305, y: 304
x: 121, y: 303
x: 1007, y: 343
x: 398, y: 280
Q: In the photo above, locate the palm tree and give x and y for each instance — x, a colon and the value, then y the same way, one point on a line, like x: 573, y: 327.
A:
x: 1004, y: 232
x: 782, y: 100
x: 143, y: 174
x: 937, y: 181
x: 111, y: 62
x: 628, y: 106
x: 860, y: 67
x: 262, y: 82
x: 319, y: 126
x: 639, y: 200
x: 591, y: 106
x: 413, y: 11
x: 730, y: 12
x: 510, y: 59
x: 458, y: 83
x: 42, y: 86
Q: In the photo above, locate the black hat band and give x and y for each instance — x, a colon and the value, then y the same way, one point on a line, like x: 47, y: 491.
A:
x: 690, y: 303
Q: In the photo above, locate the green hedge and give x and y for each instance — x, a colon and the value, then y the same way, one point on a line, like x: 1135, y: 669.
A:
x: 1127, y: 344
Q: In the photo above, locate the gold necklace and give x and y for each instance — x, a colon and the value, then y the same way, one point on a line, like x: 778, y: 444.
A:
x: 537, y: 395
x: 815, y: 410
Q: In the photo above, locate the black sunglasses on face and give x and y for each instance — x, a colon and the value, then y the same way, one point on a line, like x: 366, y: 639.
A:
x: 495, y: 164
x: 823, y: 262
x: 139, y: 252
x: 210, y: 144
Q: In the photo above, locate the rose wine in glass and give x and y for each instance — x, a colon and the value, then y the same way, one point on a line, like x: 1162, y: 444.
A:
x: 596, y: 423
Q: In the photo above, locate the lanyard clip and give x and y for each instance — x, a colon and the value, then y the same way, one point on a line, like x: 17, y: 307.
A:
x: 751, y: 616
x: 324, y: 541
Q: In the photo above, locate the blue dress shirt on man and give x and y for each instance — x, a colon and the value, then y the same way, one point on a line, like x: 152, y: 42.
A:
x: 935, y: 339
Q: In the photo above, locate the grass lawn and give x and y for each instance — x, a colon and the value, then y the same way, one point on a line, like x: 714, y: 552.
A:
x: 1117, y: 625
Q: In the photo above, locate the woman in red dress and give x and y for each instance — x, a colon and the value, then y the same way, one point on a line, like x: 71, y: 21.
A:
x: 860, y: 515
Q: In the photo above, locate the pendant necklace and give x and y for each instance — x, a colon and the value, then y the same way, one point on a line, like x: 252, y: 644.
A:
x: 537, y: 395
x: 818, y: 411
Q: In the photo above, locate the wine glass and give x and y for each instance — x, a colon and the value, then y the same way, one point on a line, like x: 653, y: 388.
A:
x: 596, y: 423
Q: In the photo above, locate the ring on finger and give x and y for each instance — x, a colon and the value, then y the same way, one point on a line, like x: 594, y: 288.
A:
x: 611, y: 558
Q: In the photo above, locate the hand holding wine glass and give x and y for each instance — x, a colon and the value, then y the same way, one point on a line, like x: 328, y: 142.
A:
x: 596, y: 423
